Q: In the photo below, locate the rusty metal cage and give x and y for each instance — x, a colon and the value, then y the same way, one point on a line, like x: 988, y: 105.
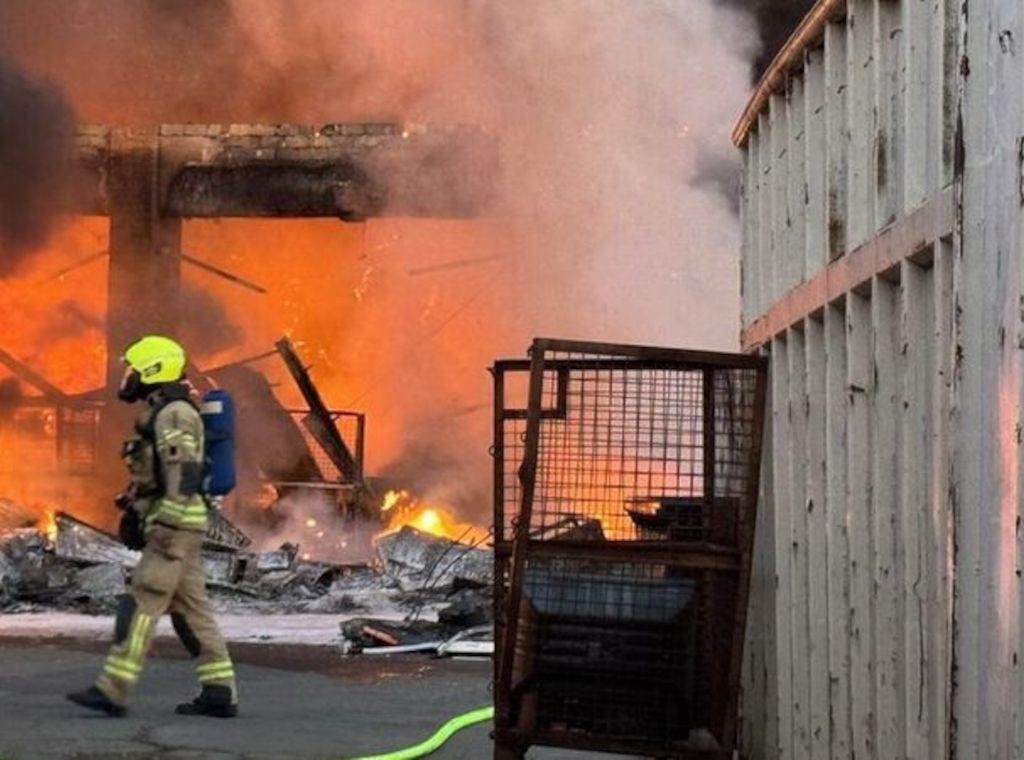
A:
x: 625, y: 487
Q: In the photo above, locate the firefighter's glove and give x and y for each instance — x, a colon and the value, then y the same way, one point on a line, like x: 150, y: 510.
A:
x: 130, y: 530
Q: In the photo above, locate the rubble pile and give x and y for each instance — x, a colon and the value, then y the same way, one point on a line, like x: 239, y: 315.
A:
x: 423, y: 593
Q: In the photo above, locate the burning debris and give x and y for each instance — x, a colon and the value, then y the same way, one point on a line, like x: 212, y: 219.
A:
x: 425, y: 592
x: 425, y: 576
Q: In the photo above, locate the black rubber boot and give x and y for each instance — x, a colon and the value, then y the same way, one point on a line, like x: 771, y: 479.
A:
x: 213, y: 702
x: 95, y: 699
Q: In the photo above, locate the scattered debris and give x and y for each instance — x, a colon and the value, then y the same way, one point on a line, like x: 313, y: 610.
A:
x: 104, y: 581
x: 428, y: 594
x: 467, y: 609
x: 7, y: 580
x: 222, y: 567
x: 571, y: 528
x: 365, y: 635
x: 473, y: 642
x: 378, y: 637
x: 223, y: 534
x: 78, y: 542
x: 382, y: 636
x: 419, y: 561
x: 282, y: 559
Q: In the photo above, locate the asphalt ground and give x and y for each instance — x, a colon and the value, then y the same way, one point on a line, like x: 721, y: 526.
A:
x: 295, y: 702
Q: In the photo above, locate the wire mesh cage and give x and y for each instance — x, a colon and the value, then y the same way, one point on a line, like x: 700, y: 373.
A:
x: 625, y: 489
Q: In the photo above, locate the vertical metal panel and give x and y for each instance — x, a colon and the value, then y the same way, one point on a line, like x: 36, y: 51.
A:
x: 989, y: 376
x: 858, y: 508
x: 815, y: 162
x: 758, y: 713
x: 947, y: 23
x: 837, y: 535
x: 797, y: 553
x: 769, y: 578
x: 861, y: 125
x: 939, y: 637
x: 887, y: 568
x: 1011, y: 20
x: 782, y: 503
x: 765, y: 237
x: 835, y: 130
x: 889, y: 89
x: 981, y: 638
x: 755, y: 692
x: 796, y: 196
x: 817, y: 546
x: 921, y: 109
x: 915, y: 480
x: 780, y: 263
x: 749, y: 205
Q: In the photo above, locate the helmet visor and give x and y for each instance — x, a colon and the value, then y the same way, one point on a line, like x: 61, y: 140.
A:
x: 131, y: 388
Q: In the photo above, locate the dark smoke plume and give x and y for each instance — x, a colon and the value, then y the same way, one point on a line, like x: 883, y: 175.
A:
x: 36, y: 131
x: 776, y: 21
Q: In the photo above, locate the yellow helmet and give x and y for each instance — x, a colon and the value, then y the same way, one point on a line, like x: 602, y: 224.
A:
x: 151, y: 360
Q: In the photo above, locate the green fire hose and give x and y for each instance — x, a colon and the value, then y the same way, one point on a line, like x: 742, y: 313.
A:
x: 434, y: 742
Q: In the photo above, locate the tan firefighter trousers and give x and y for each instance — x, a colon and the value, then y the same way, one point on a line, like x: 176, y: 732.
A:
x: 168, y: 578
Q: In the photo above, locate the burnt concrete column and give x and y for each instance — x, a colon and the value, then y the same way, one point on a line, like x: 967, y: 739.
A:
x: 144, y: 279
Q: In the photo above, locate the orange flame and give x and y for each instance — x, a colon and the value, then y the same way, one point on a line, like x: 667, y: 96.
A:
x: 402, y: 508
x: 47, y: 524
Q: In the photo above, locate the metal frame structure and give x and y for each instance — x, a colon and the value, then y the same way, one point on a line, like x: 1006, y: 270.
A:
x: 351, y: 427
x: 70, y: 434
x: 534, y: 528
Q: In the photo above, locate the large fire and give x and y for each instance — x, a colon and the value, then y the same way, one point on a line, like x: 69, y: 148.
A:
x: 399, y: 317
x: 364, y: 317
x: 400, y: 508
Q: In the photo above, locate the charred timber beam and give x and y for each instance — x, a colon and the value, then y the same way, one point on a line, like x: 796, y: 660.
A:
x: 29, y: 376
x: 348, y: 171
x: 287, y: 189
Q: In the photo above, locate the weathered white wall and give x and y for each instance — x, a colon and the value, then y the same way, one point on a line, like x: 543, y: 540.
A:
x: 885, y: 617
x: 987, y: 419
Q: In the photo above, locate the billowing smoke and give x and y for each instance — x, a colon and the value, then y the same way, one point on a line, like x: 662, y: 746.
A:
x: 616, y: 218
x: 36, y: 130
x: 776, y: 20
x: 619, y: 187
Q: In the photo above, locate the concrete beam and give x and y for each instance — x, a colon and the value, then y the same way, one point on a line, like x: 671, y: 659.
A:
x: 144, y: 276
x: 350, y: 171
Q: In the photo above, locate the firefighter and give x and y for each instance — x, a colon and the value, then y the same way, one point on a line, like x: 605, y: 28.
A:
x: 165, y: 515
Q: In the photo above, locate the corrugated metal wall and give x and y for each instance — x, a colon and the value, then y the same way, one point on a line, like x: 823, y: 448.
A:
x: 882, y: 207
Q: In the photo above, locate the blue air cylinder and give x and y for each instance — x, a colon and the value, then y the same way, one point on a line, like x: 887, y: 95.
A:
x: 218, y: 411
